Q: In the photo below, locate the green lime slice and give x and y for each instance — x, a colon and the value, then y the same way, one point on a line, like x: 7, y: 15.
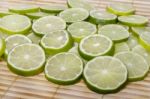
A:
x: 80, y: 4
x: 4, y: 13
x: 143, y: 52
x: 55, y: 8
x: 133, y: 20
x: 15, y: 40
x: 24, y: 8
x: 105, y: 74
x: 64, y: 68
x: 36, y: 15
x: 115, y: 32
x: 3, y: 35
x: 34, y: 38
x: 74, y: 15
x: 95, y: 45
x: 79, y: 30
x: 140, y: 30
x: 55, y: 42
x: 99, y: 17
x: 2, y: 46
x: 125, y: 26
x: 120, y: 8
x: 48, y: 24
x: 121, y: 47
x: 15, y: 24
x: 136, y: 65
x: 26, y: 59
x: 144, y: 40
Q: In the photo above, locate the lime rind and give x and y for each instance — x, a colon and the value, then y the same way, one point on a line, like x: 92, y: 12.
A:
x: 139, y: 30
x: 2, y: 46
x: 4, y: 13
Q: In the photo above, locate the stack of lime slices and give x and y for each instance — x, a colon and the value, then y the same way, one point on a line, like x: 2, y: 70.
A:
x: 106, y: 48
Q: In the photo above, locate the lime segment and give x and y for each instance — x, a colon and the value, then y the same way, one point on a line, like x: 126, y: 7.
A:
x: 13, y: 24
x: 34, y: 38
x: 64, y: 68
x: 74, y: 15
x: 95, y: 45
x: 136, y: 65
x: 121, y: 47
x: 79, y: 30
x: 2, y: 46
x: 100, y: 75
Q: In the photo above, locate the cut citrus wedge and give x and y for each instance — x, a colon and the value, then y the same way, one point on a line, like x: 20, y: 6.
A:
x: 115, y: 32
x: 34, y: 38
x: 64, y: 68
x: 79, y: 30
x: 55, y: 42
x: 2, y: 46
x: 105, y: 74
x: 121, y: 47
x: 133, y: 20
x: 99, y: 17
x: 48, y: 24
x: 95, y: 45
x: 80, y: 4
x: 74, y: 15
x: 14, y: 24
x: 26, y: 59
x: 136, y: 65
x: 119, y: 8
x: 140, y: 30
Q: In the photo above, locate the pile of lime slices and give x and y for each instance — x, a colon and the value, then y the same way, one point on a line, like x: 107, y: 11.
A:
x: 74, y: 41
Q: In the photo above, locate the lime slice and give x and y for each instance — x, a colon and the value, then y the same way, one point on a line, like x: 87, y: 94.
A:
x: 144, y: 40
x: 34, y: 38
x: 119, y: 8
x: 14, y: 24
x: 98, y: 17
x: 140, y: 30
x: 53, y: 8
x: 121, y: 47
x: 95, y: 45
x: 136, y: 65
x: 24, y: 8
x: 114, y: 32
x: 105, y: 74
x: 15, y: 40
x: 64, y: 68
x: 48, y: 24
x: 80, y: 4
x: 140, y: 50
x: 133, y: 20
x: 26, y: 59
x: 36, y: 15
x: 79, y: 30
x: 74, y: 14
x: 125, y: 26
x: 55, y: 42
x: 4, y: 13
x: 2, y: 46
x: 3, y: 35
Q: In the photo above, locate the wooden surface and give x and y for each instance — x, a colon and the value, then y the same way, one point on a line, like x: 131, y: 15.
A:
x: 37, y: 87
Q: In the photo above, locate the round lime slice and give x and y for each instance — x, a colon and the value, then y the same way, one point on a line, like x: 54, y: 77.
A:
x: 26, y: 59
x: 125, y: 26
x: 121, y: 47
x: 24, y: 8
x: 114, y: 32
x: 53, y: 8
x: 48, y: 24
x: 64, y: 68
x: 80, y: 4
x: 119, y: 8
x: 95, y: 45
x: 2, y: 46
x: 140, y: 30
x: 15, y: 40
x: 55, y: 42
x: 74, y: 15
x: 34, y: 38
x: 79, y: 30
x: 99, y: 17
x: 133, y: 20
x: 136, y: 65
x: 143, y: 52
x: 105, y: 74
x: 15, y: 24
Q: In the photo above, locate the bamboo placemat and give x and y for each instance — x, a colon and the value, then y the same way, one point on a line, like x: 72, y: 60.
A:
x: 37, y: 87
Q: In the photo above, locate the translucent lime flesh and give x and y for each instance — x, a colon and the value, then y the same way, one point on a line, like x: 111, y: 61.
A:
x: 100, y: 74
x: 63, y: 68
x: 121, y: 47
x: 34, y: 38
